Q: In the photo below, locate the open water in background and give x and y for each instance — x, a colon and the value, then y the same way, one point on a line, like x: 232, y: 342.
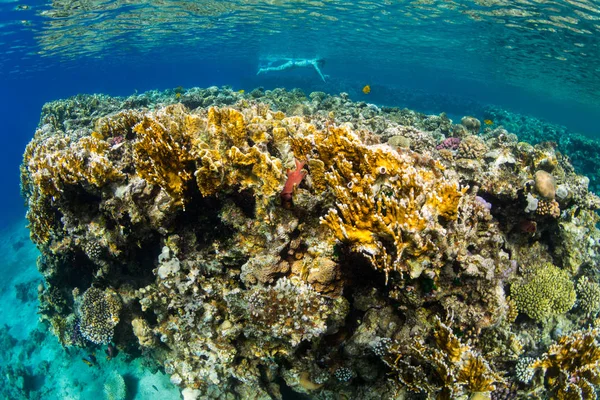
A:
x: 540, y: 58
x: 535, y: 57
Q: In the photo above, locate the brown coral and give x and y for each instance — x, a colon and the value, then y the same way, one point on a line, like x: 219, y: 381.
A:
x: 449, y: 370
x: 548, y: 207
x: 572, y: 365
x: 472, y: 147
x: 545, y: 184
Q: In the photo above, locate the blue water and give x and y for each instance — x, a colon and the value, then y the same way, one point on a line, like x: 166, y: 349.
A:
x: 538, y: 60
x: 528, y: 59
x: 435, y: 56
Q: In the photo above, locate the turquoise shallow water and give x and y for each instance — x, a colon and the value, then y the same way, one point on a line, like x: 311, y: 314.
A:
x: 34, y: 365
x: 533, y: 65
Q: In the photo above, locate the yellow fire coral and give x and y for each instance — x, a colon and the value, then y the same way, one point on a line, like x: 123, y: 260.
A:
x: 57, y: 161
x: 220, y: 151
x: 50, y: 164
x: 389, y: 206
x: 162, y: 150
x: 451, y: 370
x: 572, y: 365
x: 120, y: 124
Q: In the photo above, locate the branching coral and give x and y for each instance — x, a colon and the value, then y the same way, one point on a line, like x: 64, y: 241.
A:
x: 99, y: 314
x: 571, y: 366
x: 449, y: 370
x: 546, y: 292
x: 588, y: 294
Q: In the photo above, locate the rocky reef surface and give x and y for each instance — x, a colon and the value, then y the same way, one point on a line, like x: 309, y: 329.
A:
x: 254, y: 243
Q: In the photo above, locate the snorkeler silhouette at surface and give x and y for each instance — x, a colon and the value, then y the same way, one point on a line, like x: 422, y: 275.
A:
x: 291, y: 63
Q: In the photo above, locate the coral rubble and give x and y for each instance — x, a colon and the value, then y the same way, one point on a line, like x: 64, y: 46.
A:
x: 400, y: 256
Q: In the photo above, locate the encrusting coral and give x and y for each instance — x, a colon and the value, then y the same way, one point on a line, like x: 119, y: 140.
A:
x: 246, y: 241
x: 99, y: 314
x: 291, y: 311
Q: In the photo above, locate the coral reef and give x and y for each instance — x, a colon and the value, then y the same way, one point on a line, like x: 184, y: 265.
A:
x: 99, y: 314
x: 571, y: 366
x: 400, y: 256
x: 546, y: 292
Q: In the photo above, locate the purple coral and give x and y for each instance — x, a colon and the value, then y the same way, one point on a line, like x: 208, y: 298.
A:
x: 450, y: 143
x: 484, y: 203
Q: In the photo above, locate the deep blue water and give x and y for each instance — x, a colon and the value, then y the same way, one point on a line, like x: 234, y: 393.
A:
x: 431, y: 56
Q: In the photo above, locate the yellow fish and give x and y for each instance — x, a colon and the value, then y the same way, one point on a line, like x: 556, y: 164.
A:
x: 241, y: 91
x: 178, y: 95
x: 488, y: 122
x: 97, y: 135
x: 366, y: 89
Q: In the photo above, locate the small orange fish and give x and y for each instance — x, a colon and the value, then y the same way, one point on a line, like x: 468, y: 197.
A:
x: 488, y: 122
x: 366, y: 89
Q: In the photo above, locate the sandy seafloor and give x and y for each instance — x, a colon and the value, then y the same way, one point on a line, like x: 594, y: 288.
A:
x: 33, y: 363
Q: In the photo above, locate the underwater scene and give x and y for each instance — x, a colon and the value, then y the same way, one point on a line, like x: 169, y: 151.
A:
x: 300, y: 199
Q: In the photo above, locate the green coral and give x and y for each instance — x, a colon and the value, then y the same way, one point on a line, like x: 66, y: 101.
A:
x: 548, y: 291
x: 99, y: 314
x: 588, y: 294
